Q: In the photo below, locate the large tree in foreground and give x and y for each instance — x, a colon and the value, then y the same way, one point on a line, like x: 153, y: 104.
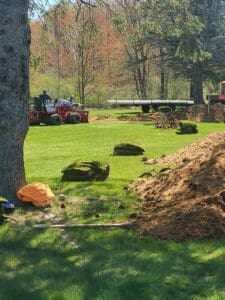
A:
x: 14, y: 92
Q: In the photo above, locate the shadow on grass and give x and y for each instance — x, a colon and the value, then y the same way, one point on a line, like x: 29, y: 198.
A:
x: 112, y: 264
x: 110, y: 188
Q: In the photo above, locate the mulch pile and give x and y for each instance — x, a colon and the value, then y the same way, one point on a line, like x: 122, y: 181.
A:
x: 187, y: 202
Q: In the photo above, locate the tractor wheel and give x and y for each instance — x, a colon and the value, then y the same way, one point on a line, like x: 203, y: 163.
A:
x: 74, y: 118
x: 47, y: 120
x: 212, y: 102
x: 155, y: 107
x: 145, y: 109
x: 165, y: 109
x: 55, y: 120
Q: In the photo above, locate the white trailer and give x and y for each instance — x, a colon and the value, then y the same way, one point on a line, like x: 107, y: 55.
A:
x: 155, y: 104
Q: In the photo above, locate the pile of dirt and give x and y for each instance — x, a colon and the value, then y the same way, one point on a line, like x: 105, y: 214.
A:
x: 201, y: 149
x: 139, y: 117
x: 169, y: 119
x: 207, y: 113
x: 198, y: 113
x: 187, y: 202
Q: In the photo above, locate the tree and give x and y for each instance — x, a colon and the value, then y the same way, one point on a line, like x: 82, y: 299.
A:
x: 202, y: 44
x: 52, y: 23
x: 129, y: 21
x: 164, y: 33
x: 14, y: 93
x: 191, y: 41
x: 160, y: 27
x: 80, y: 35
x: 192, y: 52
x: 111, y: 52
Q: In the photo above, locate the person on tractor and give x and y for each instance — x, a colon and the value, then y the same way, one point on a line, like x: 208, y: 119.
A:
x: 71, y: 99
x: 45, y: 98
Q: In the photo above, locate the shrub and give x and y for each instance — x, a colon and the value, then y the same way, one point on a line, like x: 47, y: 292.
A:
x: 186, y: 127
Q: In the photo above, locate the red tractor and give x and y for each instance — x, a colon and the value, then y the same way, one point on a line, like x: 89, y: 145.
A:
x: 55, y: 114
x: 218, y: 98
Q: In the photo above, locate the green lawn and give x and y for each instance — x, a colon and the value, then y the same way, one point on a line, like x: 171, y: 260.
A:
x: 110, y: 264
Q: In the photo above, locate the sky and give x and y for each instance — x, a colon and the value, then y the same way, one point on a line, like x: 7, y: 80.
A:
x: 42, y: 3
x: 52, y: 2
x: 49, y: 2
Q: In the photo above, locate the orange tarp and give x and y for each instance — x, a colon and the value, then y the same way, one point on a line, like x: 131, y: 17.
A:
x: 38, y: 193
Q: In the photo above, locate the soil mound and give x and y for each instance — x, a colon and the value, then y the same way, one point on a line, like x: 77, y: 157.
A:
x: 139, y: 117
x: 189, y: 201
x: 198, y: 113
x: 207, y: 113
x: 201, y: 149
x: 170, y: 119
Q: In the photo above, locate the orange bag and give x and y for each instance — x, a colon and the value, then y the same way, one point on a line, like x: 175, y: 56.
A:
x: 38, y: 193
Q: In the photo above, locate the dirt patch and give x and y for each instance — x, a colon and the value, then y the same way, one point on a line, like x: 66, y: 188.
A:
x: 58, y: 212
x: 102, y: 118
x: 189, y: 201
x: 139, y: 117
x: 199, y: 113
x: 124, y: 117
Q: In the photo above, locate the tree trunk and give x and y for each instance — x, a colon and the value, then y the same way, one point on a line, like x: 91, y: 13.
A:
x: 163, y: 81
x: 191, y: 91
x: 197, y: 84
x: 140, y: 75
x: 14, y: 93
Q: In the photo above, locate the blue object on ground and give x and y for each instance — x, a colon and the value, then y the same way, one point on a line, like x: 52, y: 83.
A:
x: 8, y: 206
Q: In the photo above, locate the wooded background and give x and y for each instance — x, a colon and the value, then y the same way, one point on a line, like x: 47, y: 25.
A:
x: 128, y: 49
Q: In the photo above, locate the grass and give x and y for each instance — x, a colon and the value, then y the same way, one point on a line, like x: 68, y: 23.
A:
x: 107, y: 265
x: 110, y: 264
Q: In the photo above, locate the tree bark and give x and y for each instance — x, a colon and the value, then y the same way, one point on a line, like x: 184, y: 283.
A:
x: 140, y: 72
x: 197, y: 84
x: 191, y: 91
x: 14, y: 93
x: 163, y: 80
